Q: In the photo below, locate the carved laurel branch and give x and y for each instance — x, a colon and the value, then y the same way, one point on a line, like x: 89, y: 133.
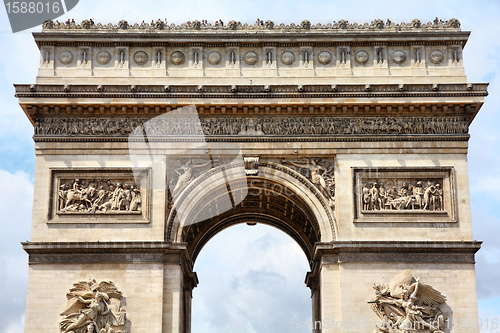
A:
x: 269, y: 25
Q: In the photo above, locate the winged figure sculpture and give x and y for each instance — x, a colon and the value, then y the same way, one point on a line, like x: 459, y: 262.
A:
x: 93, y: 307
x: 408, y: 304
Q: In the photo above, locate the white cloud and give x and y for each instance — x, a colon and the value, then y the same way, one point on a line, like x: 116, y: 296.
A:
x: 261, y: 260
x: 262, y: 288
x: 15, y: 204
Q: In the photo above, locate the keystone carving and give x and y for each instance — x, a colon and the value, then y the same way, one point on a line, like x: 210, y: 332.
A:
x: 94, y: 307
x: 408, y: 305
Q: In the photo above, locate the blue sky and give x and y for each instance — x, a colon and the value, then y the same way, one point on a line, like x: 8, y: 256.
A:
x: 262, y: 259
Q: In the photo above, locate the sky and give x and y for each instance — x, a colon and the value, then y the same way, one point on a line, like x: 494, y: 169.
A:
x: 263, y: 266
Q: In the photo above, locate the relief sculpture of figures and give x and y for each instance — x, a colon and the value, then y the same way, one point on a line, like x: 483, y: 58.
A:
x: 93, y: 307
x: 213, y: 126
x: 186, y: 173
x: 406, y: 304
x: 426, y: 195
x: 320, y: 173
x: 98, y: 196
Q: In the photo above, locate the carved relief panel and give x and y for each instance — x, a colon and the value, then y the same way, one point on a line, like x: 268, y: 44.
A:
x: 404, y: 195
x: 94, y: 307
x: 100, y: 196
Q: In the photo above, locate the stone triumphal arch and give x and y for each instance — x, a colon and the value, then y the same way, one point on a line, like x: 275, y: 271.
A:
x: 152, y: 138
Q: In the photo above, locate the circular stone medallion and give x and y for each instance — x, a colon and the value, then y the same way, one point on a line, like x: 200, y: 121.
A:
x: 287, y: 58
x: 103, y: 57
x: 140, y: 57
x: 362, y: 57
x: 214, y: 58
x: 66, y: 57
x: 436, y: 56
x: 251, y: 58
x: 324, y: 57
x: 399, y: 57
x: 177, y: 58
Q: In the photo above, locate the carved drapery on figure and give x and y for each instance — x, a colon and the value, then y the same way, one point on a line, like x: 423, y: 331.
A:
x: 406, y: 304
x: 94, y: 307
x: 182, y: 172
x: 248, y: 126
x: 99, y: 196
x: 405, y: 194
x: 320, y: 172
x: 394, y: 194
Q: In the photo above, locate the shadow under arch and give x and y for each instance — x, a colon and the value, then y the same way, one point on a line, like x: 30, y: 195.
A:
x: 278, y: 196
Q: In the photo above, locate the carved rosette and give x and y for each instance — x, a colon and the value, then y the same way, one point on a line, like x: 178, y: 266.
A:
x: 94, y: 307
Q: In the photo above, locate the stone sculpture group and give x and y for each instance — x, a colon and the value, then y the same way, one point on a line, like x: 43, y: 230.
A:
x: 98, y: 196
x: 93, y: 307
x: 416, y: 196
x: 408, y: 305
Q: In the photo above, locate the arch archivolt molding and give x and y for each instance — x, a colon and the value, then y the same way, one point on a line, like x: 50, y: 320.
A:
x: 278, y: 196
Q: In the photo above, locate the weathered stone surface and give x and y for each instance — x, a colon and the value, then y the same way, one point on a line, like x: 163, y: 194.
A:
x: 328, y: 134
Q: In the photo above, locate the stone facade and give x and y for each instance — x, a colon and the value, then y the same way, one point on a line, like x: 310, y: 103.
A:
x: 151, y: 139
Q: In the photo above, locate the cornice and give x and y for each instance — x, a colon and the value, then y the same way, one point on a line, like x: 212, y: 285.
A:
x: 410, y: 252
x: 250, y: 91
x: 108, y: 252
x: 341, y: 138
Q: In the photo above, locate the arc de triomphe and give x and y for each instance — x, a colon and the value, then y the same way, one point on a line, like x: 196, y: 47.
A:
x: 152, y: 138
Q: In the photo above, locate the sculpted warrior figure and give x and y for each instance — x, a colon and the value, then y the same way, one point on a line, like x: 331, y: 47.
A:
x: 93, y: 307
x: 406, y: 303
x: 366, y: 197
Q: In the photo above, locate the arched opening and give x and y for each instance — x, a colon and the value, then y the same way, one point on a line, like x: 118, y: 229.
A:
x: 251, y: 280
x: 277, y: 196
